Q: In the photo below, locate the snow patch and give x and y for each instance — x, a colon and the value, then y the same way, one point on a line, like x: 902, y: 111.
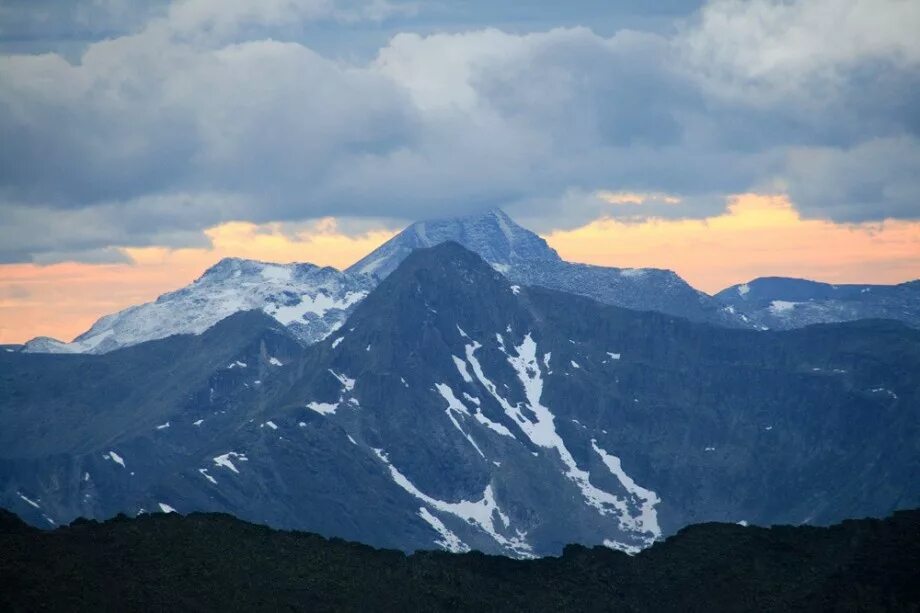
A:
x: 479, y: 416
x: 272, y: 272
x: 326, y: 408
x: 454, y: 405
x: 275, y: 361
x: 225, y: 460
x: 780, y: 307
x: 337, y: 341
x: 627, y: 549
x: 319, y: 305
x: 647, y: 518
x: 166, y: 508
x: 204, y: 473
x: 323, y: 408
x: 163, y: 426
x: 481, y: 513
x: 28, y: 500
x: 448, y: 541
x: 348, y: 384
x: 743, y: 289
x: 882, y: 390
x: 542, y: 432
x: 114, y: 457
x: 461, y: 366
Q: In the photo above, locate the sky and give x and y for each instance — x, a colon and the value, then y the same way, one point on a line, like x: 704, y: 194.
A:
x: 142, y: 142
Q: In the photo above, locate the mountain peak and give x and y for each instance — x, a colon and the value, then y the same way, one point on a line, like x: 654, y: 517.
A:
x: 492, y: 234
x: 232, y: 267
x: 311, y: 301
x: 446, y: 273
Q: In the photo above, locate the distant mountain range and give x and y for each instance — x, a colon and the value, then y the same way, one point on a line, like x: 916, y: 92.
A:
x: 313, y: 302
x: 456, y: 408
x: 215, y: 562
x: 778, y: 303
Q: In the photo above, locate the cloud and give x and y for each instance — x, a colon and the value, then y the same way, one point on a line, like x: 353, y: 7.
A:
x: 51, y: 234
x: 201, y: 117
x: 874, y: 180
x: 765, y: 51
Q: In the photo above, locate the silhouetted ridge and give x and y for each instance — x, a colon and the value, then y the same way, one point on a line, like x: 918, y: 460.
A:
x: 216, y: 562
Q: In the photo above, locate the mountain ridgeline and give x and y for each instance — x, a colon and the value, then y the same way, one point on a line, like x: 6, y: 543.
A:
x: 456, y: 409
x: 313, y: 302
x: 216, y: 562
x: 525, y: 258
x: 309, y: 300
x: 781, y: 304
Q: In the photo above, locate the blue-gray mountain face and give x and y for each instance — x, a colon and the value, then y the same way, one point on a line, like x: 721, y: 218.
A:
x: 780, y: 303
x: 456, y: 409
x: 525, y: 258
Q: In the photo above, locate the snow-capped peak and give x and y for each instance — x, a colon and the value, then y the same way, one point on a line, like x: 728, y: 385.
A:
x: 311, y: 301
x: 493, y: 235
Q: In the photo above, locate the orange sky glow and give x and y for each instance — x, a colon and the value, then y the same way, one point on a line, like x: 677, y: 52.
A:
x: 758, y: 235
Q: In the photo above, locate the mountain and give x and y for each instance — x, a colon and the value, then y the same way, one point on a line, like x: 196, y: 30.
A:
x: 455, y: 409
x: 215, y: 562
x: 312, y: 301
x: 526, y: 259
x: 781, y: 303
x: 309, y: 300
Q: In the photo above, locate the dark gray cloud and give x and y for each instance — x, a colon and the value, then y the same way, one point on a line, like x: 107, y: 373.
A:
x: 195, y: 117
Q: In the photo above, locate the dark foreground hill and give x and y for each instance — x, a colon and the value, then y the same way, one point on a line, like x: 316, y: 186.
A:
x: 217, y: 562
